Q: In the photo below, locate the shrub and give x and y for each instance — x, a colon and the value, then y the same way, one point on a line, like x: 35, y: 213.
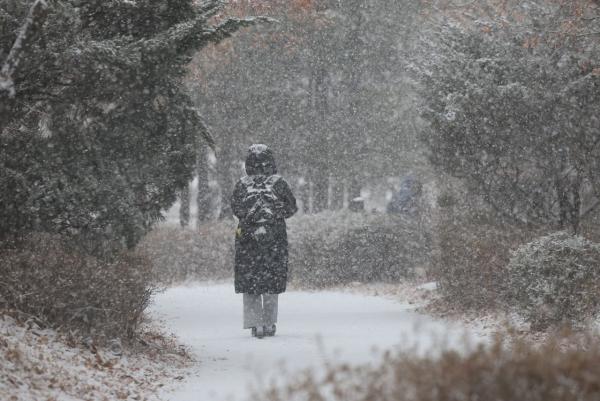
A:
x: 326, y: 249
x: 329, y: 249
x: 52, y: 282
x: 473, y: 255
x: 471, y: 249
x: 555, y: 279
x: 521, y: 371
x: 183, y: 254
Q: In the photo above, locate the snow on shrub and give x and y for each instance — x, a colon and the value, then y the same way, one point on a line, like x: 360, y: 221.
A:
x: 47, y: 280
x: 336, y: 248
x: 473, y: 255
x: 325, y: 249
x: 181, y: 254
x: 501, y: 371
x: 555, y: 279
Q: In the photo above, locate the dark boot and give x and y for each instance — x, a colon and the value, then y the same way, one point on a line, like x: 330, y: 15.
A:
x: 260, y: 332
x: 270, y: 331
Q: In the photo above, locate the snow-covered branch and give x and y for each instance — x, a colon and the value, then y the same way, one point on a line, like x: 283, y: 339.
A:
x: 195, y: 35
x: 230, y: 26
x: 35, y: 18
x: 181, y: 39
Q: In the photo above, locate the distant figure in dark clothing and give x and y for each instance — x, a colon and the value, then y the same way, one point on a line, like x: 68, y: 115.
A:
x: 406, y: 199
x: 261, y: 200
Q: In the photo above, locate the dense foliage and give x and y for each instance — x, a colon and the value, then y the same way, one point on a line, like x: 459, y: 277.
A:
x: 333, y: 249
x: 555, y: 279
x: 510, y: 105
x: 47, y: 281
x: 98, y: 135
x: 471, y: 268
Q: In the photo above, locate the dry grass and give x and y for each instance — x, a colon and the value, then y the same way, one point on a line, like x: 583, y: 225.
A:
x: 522, y: 371
x: 41, y: 364
x: 45, y: 280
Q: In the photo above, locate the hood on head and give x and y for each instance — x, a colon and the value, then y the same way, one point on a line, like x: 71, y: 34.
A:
x: 260, y: 160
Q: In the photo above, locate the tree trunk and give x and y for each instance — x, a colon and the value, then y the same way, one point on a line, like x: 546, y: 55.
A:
x: 569, y: 202
x: 28, y: 31
x: 304, y: 195
x: 320, y: 143
x: 224, y: 173
x: 203, y: 200
x: 353, y: 76
x: 320, y: 193
x: 184, y: 208
x: 575, y: 209
x: 562, y: 196
x: 354, y: 188
x: 9, y: 69
x: 337, y: 194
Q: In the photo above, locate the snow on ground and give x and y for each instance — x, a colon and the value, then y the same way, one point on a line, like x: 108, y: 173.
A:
x: 314, y: 328
x: 37, y: 364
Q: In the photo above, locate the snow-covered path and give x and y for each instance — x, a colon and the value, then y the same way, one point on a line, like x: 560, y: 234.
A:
x: 313, y: 328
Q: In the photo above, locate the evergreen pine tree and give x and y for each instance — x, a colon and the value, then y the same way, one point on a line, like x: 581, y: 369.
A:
x: 97, y: 135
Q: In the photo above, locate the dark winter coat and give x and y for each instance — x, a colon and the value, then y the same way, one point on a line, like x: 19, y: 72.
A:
x: 406, y: 200
x: 261, y: 249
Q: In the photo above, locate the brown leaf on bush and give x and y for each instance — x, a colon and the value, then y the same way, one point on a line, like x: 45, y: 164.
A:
x: 51, y: 281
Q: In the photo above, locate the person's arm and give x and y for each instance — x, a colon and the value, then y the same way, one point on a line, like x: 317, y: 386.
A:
x: 237, y: 201
x: 286, y: 205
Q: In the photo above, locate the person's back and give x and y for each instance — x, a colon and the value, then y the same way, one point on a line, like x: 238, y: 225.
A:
x: 261, y: 200
x: 406, y: 199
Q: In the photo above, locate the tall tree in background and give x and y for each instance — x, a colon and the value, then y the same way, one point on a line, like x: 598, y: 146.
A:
x: 510, y: 109
x: 353, y: 76
x: 97, y: 135
x: 326, y: 87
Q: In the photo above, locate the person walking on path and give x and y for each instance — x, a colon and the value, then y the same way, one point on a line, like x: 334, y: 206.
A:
x: 261, y: 200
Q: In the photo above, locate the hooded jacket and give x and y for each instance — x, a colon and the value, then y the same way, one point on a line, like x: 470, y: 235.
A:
x: 261, y: 265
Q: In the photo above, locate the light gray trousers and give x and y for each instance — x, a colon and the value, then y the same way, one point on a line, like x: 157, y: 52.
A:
x: 260, y: 310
